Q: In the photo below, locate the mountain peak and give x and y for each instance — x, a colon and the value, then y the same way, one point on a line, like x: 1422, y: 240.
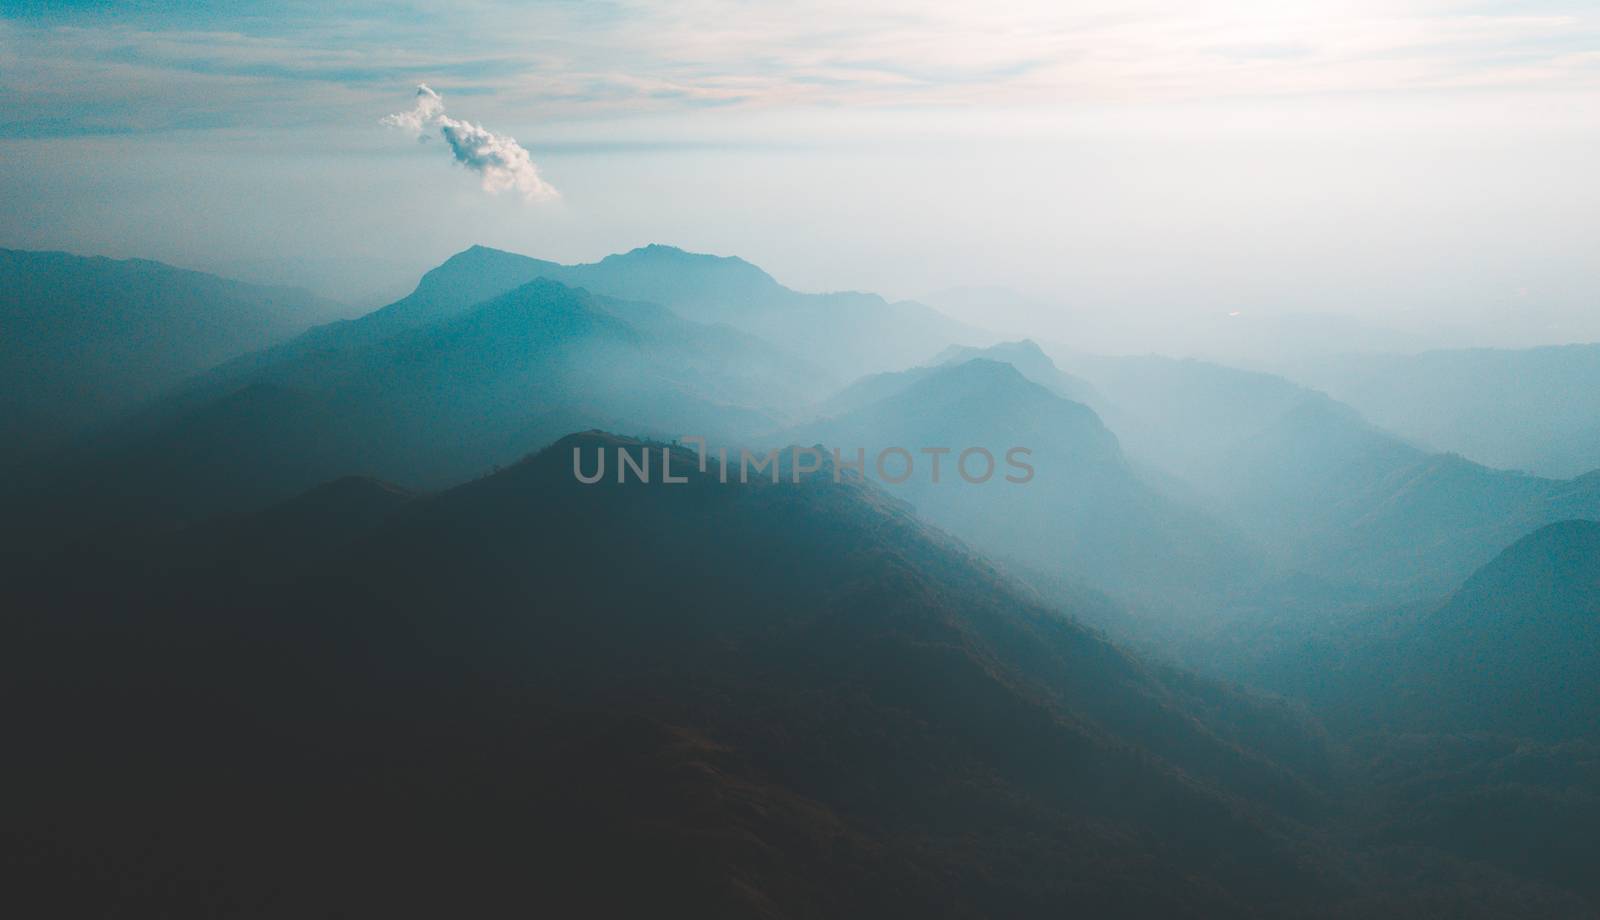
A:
x: 984, y: 369
x: 478, y: 254
x: 668, y: 251
x: 664, y: 256
x: 1031, y: 361
x: 1024, y: 345
x: 663, y: 249
x: 984, y: 388
x: 471, y: 276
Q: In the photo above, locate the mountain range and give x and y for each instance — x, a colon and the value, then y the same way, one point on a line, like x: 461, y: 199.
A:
x: 1514, y: 650
x: 763, y: 698
x: 1084, y: 512
x: 1309, y: 478
x: 1534, y: 409
x: 326, y: 620
x: 427, y: 405
x: 845, y: 334
x: 87, y: 338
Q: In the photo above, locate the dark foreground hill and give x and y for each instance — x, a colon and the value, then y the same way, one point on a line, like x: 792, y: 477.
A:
x: 529, y: 695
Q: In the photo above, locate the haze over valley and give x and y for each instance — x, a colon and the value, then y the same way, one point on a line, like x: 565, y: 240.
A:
x: 723, y: 461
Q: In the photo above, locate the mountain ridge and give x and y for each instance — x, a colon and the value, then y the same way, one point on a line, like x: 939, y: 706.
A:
x: 88, y: 337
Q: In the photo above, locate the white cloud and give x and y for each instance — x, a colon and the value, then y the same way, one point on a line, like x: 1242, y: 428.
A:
x: 502, y: 164
x: 583, y: 63
x: 419, y: 120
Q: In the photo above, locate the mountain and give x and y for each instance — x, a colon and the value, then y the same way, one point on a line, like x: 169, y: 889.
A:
x: 1326, y: 491
x: 1030, y: 360
x: 1476, y: 718
x: 704, y: 287
x: 846, y: 333
x: 780, y: 700
x: 86, y: 338
x: 842, y: 335
x: 466, y: 279
x: 1085, y: 511
x: 1535, y: 409
x: 428, y: 406
x: 849, y: 333
x: 1343, y: 498
x: 463, y: 281
x: 1181, y: 416
x: 1024, y: 355
x: 1517, y: 648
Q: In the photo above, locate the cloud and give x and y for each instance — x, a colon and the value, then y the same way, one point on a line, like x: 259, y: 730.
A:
x: 502, y: 163
x: 428, y: 106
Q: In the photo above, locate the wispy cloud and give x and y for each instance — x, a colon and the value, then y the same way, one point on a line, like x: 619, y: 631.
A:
x: 572, y: 63
x: 499, y: 160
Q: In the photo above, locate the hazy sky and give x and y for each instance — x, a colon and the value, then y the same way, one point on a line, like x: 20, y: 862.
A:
x: 1428, y: 166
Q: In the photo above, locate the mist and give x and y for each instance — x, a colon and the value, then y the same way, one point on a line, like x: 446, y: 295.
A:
x: 1322, y: 203
x: 726, y: 459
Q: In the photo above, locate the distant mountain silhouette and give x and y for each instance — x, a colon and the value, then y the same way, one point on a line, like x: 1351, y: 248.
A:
x: 466, y: 279
x: 1312, y: 480
x: 428, y: 406
x: 1341, y: 497
x: 794, y: 699
x: 1027, y: 357
x: 847, y: 333
x: 704, y: 287
x: 1181, y: 416
x: 420, y: 392
x: 85, y: 338
x: 842, y: 335
x: 1086, y: 513
x: 1024, y: 355
x: 1535, y: 409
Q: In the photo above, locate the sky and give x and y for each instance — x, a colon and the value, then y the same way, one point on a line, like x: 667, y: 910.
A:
x: 1125, y: 174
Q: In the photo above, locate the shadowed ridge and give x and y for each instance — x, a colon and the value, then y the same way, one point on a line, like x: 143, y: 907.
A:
x: 1516, y: 650
x: 523, y: 689
x: 86, y: 339
x: 1554, y: 571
